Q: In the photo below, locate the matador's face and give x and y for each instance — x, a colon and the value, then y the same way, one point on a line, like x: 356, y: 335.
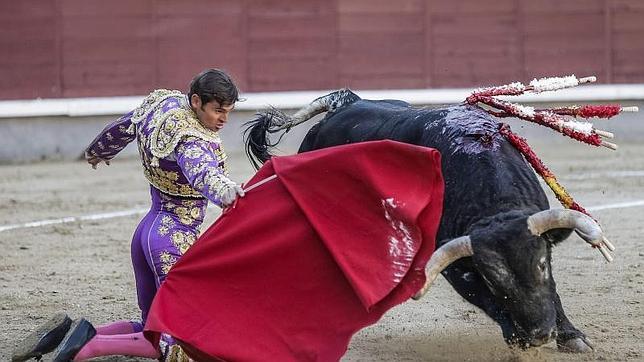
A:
x: 212, y: 115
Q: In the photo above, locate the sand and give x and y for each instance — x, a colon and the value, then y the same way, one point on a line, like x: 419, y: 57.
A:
x: 84, y: 267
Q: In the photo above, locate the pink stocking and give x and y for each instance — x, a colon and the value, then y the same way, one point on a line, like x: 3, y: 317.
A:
x: 133, y: 344
x: 118, y: 327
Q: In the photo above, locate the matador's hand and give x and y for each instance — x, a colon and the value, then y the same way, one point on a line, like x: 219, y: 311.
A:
x: 230, y: 194
x: 94, y: 160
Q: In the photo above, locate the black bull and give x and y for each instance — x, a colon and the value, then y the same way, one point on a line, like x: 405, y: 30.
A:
x: 489, y: 192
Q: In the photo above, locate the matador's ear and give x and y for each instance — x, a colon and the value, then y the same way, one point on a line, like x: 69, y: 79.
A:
x: 195, y: 101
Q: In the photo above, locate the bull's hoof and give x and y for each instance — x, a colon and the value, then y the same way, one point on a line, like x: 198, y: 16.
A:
x: 575, y: 345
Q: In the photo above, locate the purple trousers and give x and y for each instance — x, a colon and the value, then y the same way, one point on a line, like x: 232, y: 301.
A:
x: 161, y: 238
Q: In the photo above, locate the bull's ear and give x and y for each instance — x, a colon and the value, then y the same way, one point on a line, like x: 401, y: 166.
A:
x: 554, y: 236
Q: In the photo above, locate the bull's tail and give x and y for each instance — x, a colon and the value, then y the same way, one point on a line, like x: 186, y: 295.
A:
x: 257, y: 132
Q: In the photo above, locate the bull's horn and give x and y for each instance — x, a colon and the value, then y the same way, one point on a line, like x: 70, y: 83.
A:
x: 583, y: 225
x: 442, y: 258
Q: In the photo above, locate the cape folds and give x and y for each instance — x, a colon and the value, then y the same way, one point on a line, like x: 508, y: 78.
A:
x: 305, y: 260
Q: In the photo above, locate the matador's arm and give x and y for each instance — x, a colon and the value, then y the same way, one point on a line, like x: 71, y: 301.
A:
x: 112, y: 140
x: 200, y: 165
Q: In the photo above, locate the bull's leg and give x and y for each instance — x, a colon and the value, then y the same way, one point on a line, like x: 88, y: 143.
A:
x: 569, y: 338
x: 470, y: 285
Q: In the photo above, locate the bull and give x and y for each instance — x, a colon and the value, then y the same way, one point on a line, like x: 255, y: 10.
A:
x: 497, y: 231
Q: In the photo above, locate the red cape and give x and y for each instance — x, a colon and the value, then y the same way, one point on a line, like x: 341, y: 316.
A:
x: 307, y: 259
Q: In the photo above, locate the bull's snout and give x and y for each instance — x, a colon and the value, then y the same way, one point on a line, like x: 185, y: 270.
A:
x: 540, y: 337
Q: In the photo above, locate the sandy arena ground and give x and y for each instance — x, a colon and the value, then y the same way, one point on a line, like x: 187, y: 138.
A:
x: 84, y: 267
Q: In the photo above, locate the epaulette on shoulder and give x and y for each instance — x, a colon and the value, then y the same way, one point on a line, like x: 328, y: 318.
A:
x: 152, y: 102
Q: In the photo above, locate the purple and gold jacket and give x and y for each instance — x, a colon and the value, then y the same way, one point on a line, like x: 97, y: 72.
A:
x: 180, y: 157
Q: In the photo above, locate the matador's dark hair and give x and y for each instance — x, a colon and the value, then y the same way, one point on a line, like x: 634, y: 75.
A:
x: 214, y: 85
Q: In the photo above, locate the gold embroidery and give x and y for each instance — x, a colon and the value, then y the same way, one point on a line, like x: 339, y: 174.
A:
x: 176, y: 354
x: 189, y: 212
x: 152, y: 102
x: 184, y: 215
x: 192, y: 152
x: 166, y: 224
x: 169, y: 127
x: 189, y: 203
x: 127, y: 130
x: 166, y: 182
x: 221, y: 158
x: 195, y: 213
x: 172, y: 126
x: 198, y: 168
x: 166, y: 130
x: 167, y: 261
x: 163, y: 230
x: 165, y: 257
x: 183, y: 240
x: 188, y: 215
x: 216, y: 181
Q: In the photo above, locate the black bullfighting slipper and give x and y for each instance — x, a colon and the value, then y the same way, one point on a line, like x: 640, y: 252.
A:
x: 80, y: 332
x: 43, y: 340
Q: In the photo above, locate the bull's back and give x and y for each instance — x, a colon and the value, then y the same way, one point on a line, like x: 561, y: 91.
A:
x: 363, y: 120
x: 484, y: 174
